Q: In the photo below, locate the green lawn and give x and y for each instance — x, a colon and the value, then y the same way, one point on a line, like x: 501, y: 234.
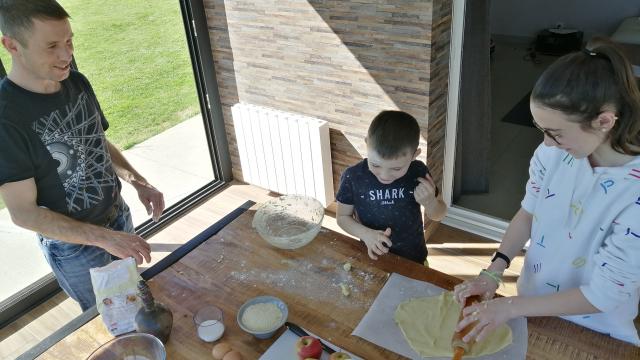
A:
x: 135, y: 55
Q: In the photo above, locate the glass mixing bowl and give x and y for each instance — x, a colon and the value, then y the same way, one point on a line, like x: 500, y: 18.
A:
x: 289, y: 221
x: 136, y: 346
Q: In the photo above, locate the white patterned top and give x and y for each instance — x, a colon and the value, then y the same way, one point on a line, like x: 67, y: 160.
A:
x: 585, y: 234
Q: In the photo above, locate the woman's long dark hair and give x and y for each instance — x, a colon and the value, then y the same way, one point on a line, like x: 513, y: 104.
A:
x: 582, y: 84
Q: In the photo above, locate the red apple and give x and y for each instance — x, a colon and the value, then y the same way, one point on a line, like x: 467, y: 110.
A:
x: 339, y: 356
x: 308, y: 348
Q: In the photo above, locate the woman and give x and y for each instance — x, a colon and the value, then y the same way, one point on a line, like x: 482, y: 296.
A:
x: 582, y: 205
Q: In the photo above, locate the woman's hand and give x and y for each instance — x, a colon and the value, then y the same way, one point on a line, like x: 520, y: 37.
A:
x: 487, y: 316
x: 482, y: 285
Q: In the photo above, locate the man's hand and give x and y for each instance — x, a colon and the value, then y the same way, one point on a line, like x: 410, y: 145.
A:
x: 425, y: 192
x: 376, y: 241
x: 151, y: 198
x: 124, y: 245
x: 20, y: 198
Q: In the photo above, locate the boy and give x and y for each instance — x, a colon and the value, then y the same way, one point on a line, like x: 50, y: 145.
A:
x: 380, y: 197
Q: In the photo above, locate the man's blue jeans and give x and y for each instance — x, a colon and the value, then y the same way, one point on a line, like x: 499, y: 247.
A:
x: 71, y: 262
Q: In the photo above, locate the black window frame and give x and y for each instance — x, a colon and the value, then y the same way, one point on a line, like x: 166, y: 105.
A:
x: 198, y: 42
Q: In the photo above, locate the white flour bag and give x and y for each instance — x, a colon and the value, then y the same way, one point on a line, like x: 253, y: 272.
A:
x: 115, y: 287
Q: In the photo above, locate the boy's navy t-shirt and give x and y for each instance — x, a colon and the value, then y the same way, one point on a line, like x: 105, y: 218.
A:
x: 380, y: 206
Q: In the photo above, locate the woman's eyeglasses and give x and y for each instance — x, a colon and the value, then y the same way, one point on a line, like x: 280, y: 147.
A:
x: 546, y: 132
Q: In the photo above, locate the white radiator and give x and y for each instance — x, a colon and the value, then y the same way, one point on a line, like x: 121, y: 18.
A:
x: 284, y: 152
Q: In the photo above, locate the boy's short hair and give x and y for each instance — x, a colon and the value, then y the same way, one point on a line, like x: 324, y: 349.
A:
x: 393, y: 133
x: 16, y: 16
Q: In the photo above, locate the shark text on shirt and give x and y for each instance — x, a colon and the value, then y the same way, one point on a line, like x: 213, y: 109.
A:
x: 387, y: 196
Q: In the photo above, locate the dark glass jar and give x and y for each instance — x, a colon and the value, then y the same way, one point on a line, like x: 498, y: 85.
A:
x: 153, y: 317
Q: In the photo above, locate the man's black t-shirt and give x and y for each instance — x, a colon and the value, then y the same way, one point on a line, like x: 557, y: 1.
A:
x: 379, y: 206
x: 58, y: 139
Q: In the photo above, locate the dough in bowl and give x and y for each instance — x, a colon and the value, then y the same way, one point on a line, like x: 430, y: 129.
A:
x: 261, y: 317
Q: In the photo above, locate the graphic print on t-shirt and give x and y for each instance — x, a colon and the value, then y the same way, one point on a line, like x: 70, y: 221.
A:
x: 75, y: 139
x: 386, y: 196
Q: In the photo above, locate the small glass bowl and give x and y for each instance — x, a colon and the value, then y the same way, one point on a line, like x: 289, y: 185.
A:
x: 209, y: 323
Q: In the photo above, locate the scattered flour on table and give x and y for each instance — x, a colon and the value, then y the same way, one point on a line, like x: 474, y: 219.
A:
x: 219, y: 255
x: 326, y: 281
x: 321, y: 282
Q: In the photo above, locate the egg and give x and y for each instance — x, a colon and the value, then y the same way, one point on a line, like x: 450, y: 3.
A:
x: 220, y: 350
x: 233, y: 355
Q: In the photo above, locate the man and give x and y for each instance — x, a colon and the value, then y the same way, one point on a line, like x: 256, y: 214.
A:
x: 58, y: 173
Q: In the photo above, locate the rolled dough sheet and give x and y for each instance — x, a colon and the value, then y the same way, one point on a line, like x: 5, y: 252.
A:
x: 428, y: 324
x: 379, y: 327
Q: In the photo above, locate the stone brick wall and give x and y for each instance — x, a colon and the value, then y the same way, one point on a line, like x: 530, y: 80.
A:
x: 339, y: 60
x: 439, y: 86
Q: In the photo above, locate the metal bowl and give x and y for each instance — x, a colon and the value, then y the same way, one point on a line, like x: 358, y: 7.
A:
x: 289, y: 221
x: 131, y: 346
x: 260, y: 300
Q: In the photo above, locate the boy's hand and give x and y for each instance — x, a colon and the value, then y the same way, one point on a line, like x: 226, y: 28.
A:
x: 376, y: 243
x: 425, y: 192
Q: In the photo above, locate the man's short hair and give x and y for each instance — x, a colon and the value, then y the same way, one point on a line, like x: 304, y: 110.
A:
x: 16, y: 16
x: 393, y: 133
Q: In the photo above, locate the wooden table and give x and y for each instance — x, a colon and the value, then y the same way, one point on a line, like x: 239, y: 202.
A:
x: 236, y: 264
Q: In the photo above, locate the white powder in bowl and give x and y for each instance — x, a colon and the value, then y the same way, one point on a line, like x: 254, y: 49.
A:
x: 261, y: 317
